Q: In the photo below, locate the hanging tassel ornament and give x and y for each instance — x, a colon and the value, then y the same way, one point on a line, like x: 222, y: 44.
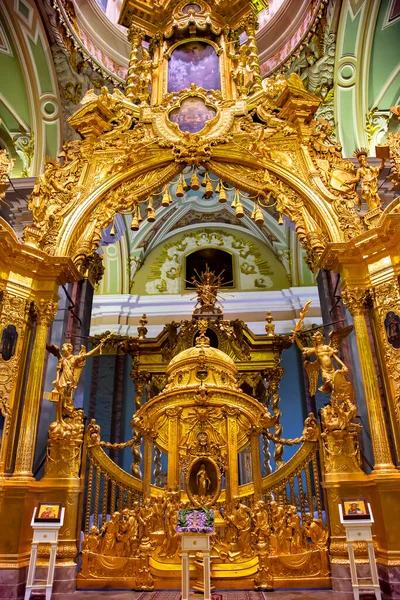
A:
x: 209, y: 188
x: 239, y: 210
x: 180, y: 191
x: 194, y: 182
x: 237, y: 205
x: 112, y: 230
x: 221, y: 192
x: 280, y: 219
x: 151, y: 213
x: 167, y: 198
x: 253, y: 214
x: 135, y: 221
x: 258, y: 216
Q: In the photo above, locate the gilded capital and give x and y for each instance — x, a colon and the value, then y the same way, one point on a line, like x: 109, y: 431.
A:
x: 355, y: 300
x: 45, y: 310
x: 174, y: 411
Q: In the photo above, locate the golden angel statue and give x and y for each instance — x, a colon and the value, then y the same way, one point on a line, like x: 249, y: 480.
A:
x: 341, y: 409
x: 324, y: 354
x: 69, y: 371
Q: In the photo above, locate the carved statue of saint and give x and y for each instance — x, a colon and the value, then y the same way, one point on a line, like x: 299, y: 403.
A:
x: 144, y: 70
x: 6, y: 166
x: 203, y: 482
x: 240, y: 520
x: 241, y: 73
x: 47, y: 194
x: 368, y: 176
x: 261, y: 521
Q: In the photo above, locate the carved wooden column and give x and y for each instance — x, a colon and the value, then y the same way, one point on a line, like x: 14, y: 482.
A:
x: 254, y: 62
x: 256, y: 463
x: 46, y: 311
x: 231, y: 436
x: 355, y: 300
x: 147, y: 463
x: 386, y: 310
x: 135, y: 38
x: 274, y: 377
x: 173, y: 415
x: 14, y: 311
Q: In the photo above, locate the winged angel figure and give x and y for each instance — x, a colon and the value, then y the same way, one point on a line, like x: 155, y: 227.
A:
x: 69, y: 369
x: 341, y: 410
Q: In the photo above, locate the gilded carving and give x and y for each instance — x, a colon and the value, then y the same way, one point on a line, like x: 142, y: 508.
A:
x: 13, y: 312
x: 6, y: 166
x: 341, y: 410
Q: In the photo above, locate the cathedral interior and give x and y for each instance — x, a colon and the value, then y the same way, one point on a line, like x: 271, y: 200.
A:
x: 200, y: 295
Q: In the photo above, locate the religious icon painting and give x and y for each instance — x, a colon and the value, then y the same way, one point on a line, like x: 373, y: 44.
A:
x: 355, y: 508
x: 195, y: 520
x: 195, y: 63
x: 203, y: 482
x: 192, y: 114
x: 48, y: 512
x: 8, y: 342
x: 194, y: 8
x: 392, y: 327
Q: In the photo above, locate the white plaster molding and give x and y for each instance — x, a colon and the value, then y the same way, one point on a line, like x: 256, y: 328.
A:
x: 121, y: 312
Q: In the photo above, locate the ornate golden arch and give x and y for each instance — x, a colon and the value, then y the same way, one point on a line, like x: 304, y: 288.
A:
x: 129, y: 152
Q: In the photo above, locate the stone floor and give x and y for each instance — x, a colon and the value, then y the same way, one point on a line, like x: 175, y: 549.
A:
x: 226, y: 595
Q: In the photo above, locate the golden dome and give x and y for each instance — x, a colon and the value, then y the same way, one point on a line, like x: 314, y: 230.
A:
x: 202, y: 363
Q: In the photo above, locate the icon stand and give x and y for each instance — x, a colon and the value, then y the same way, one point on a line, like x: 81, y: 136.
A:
x: 360, y: 530
x: 43, y: 533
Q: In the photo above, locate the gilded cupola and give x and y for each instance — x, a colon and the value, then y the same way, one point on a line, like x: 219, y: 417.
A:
x: 201, y: 364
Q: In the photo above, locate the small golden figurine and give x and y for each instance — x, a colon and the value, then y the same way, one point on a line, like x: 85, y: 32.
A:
x: 207, y: 286
x: 241, y: 73
x: 203, y: 482
x: 369, y: 179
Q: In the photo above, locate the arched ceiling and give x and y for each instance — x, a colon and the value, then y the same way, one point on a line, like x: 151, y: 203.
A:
x: 55, y: 52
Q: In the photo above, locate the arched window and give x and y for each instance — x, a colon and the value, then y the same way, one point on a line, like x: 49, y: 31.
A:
x: 216, y: 260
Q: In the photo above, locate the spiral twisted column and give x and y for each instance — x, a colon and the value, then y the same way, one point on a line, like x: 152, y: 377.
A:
x: 254, y: 62
x: 135, y: 36
x: 274, y: 378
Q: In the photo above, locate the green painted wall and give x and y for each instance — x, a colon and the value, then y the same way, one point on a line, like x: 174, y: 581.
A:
x: 276, y: 271
x: 385, y: 58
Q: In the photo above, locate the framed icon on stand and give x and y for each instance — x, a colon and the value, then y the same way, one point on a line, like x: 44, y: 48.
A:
x: 48, y: 512
x: 355, y: 508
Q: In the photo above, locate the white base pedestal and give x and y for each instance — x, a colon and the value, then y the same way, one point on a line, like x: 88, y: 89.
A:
x: 360, y: 530
x: 196, y: 543
x: 43, y: 533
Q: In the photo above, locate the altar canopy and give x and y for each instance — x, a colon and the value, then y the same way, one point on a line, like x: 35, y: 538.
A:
x: 165, y: 167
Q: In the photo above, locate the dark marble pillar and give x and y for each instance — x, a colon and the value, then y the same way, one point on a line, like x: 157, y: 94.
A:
x: 116, y: 417
x: 93, y: 386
